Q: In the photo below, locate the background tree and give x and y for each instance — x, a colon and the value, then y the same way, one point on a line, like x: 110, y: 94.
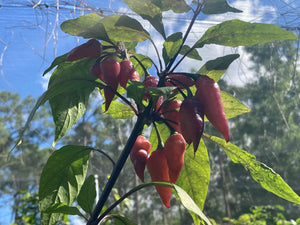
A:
x: 270, y: 132
x: 20, y: 169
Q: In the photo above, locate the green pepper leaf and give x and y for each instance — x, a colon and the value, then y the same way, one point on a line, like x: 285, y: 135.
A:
x: 124, y: 28
x: 261, y: 173
x: 118, y: 110
x: 178, y: 6
x: 171, y: 46
x: 218, y: 7
x: 136, y: 91
x: 217, y: 67
x: 86, y: 26
x: 61, y: 179
x: 87, y: 195
x: 195, y: 175
x: 239, y: 33
x: 148, y: 11
x: 193, y: 53
x: 58, y: 60
x: 75, y: 83
x: 232, y: 106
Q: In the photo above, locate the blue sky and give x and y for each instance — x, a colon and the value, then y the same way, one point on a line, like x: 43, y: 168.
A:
x: 30, y: 38
x: 25, y: 30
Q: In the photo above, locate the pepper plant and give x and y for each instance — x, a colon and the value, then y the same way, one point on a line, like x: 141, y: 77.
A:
x: 172, y: 105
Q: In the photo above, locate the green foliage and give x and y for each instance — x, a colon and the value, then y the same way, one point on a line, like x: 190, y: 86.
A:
x: 77, y: 84
x: 119, y: 110
x: 263, y: 215
x: 263, y: 174
x: 171, y: 46
x: 232, y: 106
x: 218, y: 7
x: 217, y: 67
x: 63, y: 179
x: 239, y: 33
x: 195, y: 176
x: 87, y: 195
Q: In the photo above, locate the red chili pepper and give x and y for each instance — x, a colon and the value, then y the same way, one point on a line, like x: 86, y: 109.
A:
x: 191, y: 116
x: 110, y: 69
x: 171, y: 113
x: 91, y: 49
x: 179, y: 80
x: 174, y: 150
x: 127, y: 72
x: 95, y: 70
x: 139, y: 155
x: 150, y: 81
x: 208, y: 92
x: 159, y: 171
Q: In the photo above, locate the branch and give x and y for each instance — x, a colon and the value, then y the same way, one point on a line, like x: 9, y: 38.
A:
x: 117, y: 169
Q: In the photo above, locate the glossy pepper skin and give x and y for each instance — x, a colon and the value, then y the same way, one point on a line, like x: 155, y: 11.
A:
x: 208, y: 92
x: 174, y: 150
x: 110, y: 70
x: 139, y: 155
x: 92, y: 49
x: 95, y: 70
x: 159, y: 171
x: 171, y: 113
x: 191, y: 116
x: 127, y: 72
x: 179, y: 80
x: 150, y: 81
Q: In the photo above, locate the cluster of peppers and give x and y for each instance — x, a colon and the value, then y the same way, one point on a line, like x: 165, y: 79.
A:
x: 109, y: 70
x: 184, y: 118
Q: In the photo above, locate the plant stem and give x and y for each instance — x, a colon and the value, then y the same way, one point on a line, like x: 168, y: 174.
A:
x: 117, y: 169
x: 141, y: 64
x: 137, y: 188
x: 157, y: 53
x: 196, y: 13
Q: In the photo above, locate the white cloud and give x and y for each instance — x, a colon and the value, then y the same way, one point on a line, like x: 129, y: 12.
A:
x: 44, y: 81
x: 238, y: 72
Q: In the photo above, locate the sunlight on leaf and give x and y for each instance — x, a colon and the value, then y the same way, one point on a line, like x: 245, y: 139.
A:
x: 62, y: 178
x: 264, y: 175
x: 119, y: 110
x: 218, y: 7
x: 217, y: 67
x: 86, y: 26
x: 87, y: 195
x: 190, y: 205
x: 148, y: 11
x: 171, y: 46
x: 124, y: 28
x: 232, y: 106
x: 195, y: 174
x: 193, y: 53
x: 69, y: 106
x: 239, y: 33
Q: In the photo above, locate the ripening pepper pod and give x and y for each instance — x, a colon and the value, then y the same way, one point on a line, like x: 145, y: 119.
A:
x: 179, y: 80
x: 170, y: 111
x: 208, y: 92
x: 110, y: 70
x: 127, y: 72
x: 159, y: 171
x: 150, y: 81
x: 95, y: 70
x: 191, y: 117
x: 139, y: 155
x: 174, y: 150
x: 92, y: 49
